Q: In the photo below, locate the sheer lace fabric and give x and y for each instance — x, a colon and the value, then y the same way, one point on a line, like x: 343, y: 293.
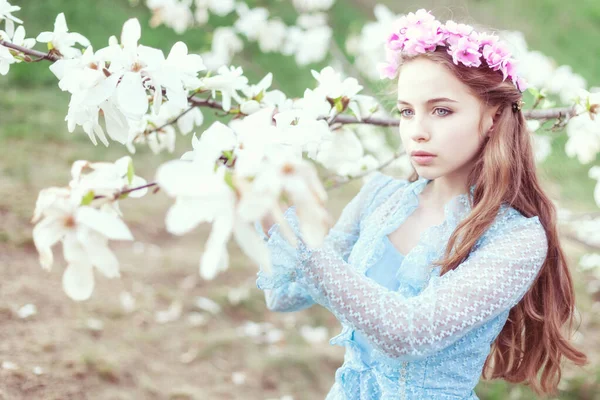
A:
x: 429, y: 338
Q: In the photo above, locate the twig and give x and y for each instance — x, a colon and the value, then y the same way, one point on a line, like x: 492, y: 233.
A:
x: 122, y: 192
x: 339, y: 182
x: 41, y: 55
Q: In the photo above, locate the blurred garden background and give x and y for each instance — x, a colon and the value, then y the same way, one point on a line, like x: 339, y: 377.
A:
x: 161, y: 332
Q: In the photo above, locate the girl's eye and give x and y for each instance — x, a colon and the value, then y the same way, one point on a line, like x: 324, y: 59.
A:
x: 440, y: 112
x: 404, y: 114
x: 444, y: 112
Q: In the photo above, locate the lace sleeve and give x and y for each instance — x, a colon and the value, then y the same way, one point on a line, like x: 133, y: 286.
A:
x: 281, y: 292
x: 493, y: 279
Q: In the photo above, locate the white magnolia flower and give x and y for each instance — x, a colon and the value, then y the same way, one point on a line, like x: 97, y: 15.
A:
x: 62, y: 40
x: 308, y: 21
x: 363, y: 106
x: 173, y: 13
x: 299, y: 181
x: 344, y: 148
x: 594, y: 173
x: 332, y: 86
x: 202, y: 195
x: 307, y: 46
x: 17, y: 36
x: 5, y: 12
x: 105, y: 178
x: 84, y: 232
x: 225, y: 44
x: 314, y: 335
x: 219, y: 7
x: 566, y: 83
x: 312, y: 5
x: 6, y: 58
x: 228, y: 82
x: 271, y: 36
x: 584, y: 129
x: 542, y: 146
x: 250, y: 20
x: 369, y: 46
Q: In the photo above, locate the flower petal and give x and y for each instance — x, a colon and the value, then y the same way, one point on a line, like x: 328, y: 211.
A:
x: 252, y: 244
x: 185, y: 214
x: 108, y: 225
x: 101, y: 255
x: 215, y: 257
x: 45, y: 234
x: 78, y: 281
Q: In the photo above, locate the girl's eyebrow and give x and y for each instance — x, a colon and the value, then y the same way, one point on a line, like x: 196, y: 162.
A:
x: 431, y: 101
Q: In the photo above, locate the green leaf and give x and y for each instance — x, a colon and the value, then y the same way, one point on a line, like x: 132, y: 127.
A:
x: 87, y: 199
x: 130, y: 172
x: 229, y: 179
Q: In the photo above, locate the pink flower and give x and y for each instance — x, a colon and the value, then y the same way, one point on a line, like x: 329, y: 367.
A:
x: 389, y: 68
x: 455, y: 31
x: 522, y: 84
x: 416, y: 33
x: 497, y: 56
x: 422, y: 38
x: 486, y: 38
x: 466, y: 51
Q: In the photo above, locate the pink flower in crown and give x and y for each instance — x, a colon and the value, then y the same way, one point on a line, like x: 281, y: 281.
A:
x: 497, y: 56
x: 466, y: 51
x: 485, y: 38
x: 415, y: 33
x: 454, y: 31
x: 511, y: 71
x: 389, y: 68
x: 423, y: 37
x: 522, y: 84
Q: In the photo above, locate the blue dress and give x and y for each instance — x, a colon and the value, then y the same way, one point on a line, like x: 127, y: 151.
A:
x: 420, y: 336
x: 383, y: 272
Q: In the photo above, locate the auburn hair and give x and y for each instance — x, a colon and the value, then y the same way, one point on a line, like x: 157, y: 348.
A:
x: 504, y: 170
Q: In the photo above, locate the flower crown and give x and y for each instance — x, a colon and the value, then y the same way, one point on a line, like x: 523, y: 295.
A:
x: 419, y: 32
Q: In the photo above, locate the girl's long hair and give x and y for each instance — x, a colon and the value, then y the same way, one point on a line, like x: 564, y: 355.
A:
x: 505, y: 171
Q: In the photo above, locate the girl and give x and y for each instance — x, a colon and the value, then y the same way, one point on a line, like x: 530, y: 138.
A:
x: 457, y: 270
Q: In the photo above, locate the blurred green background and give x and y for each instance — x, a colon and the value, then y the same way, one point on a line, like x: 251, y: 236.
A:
x: 132, y: 357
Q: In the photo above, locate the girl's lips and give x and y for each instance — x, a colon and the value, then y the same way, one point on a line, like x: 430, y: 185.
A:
x: 423, y: 160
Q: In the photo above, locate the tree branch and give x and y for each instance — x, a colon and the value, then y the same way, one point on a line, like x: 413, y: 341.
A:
x: 40, y: 55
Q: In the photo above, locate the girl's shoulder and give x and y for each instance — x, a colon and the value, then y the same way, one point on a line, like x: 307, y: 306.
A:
x: 379, y: 188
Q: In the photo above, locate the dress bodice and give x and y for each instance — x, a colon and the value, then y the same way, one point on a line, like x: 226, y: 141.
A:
x: 383, y: 272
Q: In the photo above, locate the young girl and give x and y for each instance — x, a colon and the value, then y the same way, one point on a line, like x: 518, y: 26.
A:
x: 456, y: 270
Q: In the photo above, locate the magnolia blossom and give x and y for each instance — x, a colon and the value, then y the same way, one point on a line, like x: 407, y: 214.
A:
x: 250, y: 20
x: 17, y: 36
x: 368, y: 47
x: 332, y: 86
x: 218, y: 7
x: 84, y: 232
x: 271, y: 36
x: 225, y: 44
x: 175, y: 14
x: 105, y: 179
x: 228, y: 82
x: 307, y: 46
x: 584, y: 129
x: 6, y: 58
x: 312, y: 5
x: 114, y: 81
x: 5, y: 11
x: 594, y: 173
x: 62, y: 40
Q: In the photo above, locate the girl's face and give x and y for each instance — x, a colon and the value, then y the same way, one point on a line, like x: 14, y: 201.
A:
x: 439, y: 115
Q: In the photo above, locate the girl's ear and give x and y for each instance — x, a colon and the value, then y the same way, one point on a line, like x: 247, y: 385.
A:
x: 492, y: 115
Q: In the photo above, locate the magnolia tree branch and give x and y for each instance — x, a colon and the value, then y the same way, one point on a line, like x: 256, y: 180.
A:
x: 39, y: 54
x: 120, y: 193
x: 542, y: 114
